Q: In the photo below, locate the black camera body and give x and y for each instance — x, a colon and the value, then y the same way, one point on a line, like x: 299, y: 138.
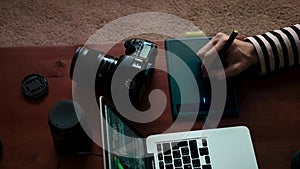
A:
x: 135, y: 68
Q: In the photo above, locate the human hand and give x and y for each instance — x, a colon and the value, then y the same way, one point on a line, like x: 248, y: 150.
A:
x: 238, y: 58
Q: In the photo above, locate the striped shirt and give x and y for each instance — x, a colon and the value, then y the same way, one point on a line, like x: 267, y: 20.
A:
x: 277, y: 49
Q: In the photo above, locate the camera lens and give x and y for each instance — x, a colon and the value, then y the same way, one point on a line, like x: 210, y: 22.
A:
x: 89, y: 59
x: 107, y: 66
x: 107, y: 63
x: 64, y: 123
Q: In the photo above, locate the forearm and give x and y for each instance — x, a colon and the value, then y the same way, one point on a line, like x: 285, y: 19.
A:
x: 278, y: 48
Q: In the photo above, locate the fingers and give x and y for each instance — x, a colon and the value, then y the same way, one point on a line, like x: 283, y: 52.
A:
x: 215, y: 42
x: 240, y: 55
x: 209, y: 57
x: 222, y: 73
x: 233, y: 69
x: 229, y: 71
x: 209, y: 52
x: 205, y: 48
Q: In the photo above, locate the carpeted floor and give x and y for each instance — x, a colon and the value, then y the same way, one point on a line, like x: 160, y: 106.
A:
x: 64, y: 22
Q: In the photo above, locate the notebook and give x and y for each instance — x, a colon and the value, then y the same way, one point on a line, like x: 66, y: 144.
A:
x: 183, y: 51
x: 126, y: 148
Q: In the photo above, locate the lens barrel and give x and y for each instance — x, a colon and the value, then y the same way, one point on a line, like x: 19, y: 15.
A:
x: 65, y: 118
x: 106, y: 64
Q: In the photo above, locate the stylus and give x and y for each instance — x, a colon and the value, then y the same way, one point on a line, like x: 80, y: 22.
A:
x: 227, y: 46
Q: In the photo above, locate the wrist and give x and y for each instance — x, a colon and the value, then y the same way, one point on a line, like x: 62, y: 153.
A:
x: 253, y: 56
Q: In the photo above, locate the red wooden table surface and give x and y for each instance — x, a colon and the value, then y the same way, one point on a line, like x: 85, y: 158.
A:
x: 269, y: 106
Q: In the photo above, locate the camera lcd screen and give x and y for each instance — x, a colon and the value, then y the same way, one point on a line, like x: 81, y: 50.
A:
x: 145, y: 51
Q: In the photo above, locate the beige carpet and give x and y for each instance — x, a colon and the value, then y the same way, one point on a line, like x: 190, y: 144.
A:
x: 64, y: 22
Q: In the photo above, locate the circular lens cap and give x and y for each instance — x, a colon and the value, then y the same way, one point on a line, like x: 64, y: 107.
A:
x: 65, y: 115
x: 34, y: 86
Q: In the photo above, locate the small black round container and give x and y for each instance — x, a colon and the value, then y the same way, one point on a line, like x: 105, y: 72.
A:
x: 64, y: 123
x: 295, y: 163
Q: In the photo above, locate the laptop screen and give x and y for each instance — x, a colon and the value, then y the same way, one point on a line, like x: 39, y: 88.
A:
x: 124, y: 146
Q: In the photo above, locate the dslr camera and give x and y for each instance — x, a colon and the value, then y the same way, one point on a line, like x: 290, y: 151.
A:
x: 135, y: 68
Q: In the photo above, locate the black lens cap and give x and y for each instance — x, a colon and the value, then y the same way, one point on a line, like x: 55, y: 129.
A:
x: 34, y: 86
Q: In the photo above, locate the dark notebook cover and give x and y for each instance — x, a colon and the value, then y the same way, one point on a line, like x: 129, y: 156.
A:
x: 184, y: 68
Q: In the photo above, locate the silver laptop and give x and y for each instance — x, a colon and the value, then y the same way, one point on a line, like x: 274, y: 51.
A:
x: 125, y: 148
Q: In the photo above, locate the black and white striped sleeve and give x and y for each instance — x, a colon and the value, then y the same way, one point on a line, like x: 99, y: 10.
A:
x: 277, y: 49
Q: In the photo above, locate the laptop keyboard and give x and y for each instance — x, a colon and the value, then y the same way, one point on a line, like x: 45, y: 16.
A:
x: 188, y: 154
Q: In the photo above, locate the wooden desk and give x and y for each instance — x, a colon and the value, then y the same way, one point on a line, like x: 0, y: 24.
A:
x: 269, y: 106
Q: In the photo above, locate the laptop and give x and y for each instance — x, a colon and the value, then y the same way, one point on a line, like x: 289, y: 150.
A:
x: 125, y: 148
